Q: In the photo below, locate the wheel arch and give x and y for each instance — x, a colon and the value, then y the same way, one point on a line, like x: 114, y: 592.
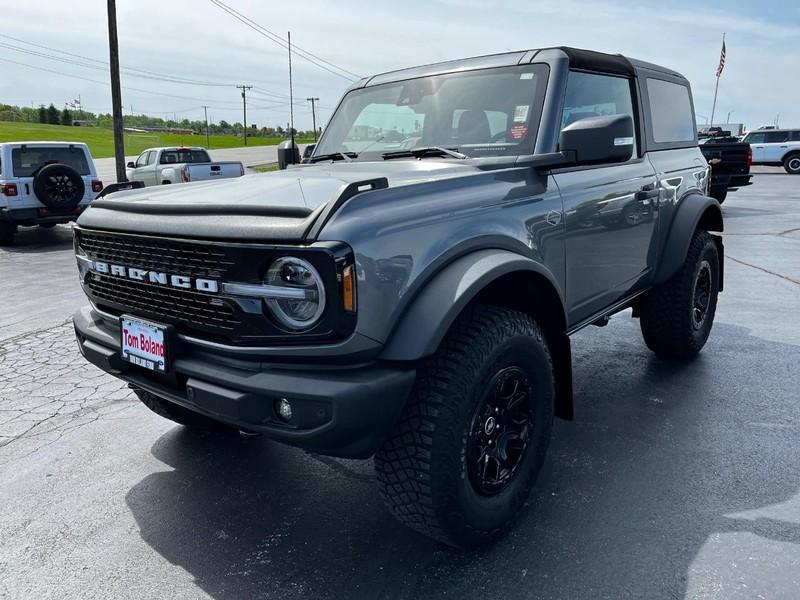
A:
x: 493, y: 277
x: 693, y: 213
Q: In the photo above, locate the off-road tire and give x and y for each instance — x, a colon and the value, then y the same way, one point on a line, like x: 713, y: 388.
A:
x: 719, y: 195
x: 791, y: 164
x: 59, y: 187
x: 667, y: 312
x: 421, y: 467
x: 183, y: 416
x: 7, y: 233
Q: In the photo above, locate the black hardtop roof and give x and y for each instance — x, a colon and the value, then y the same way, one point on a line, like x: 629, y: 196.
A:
x: 588, y: 60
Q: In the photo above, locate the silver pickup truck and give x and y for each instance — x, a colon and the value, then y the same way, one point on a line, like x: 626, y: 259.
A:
x: 157, y: 166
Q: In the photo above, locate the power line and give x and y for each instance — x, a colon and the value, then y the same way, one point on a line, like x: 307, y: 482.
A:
x: 105, y: 83
x: 305, y: 54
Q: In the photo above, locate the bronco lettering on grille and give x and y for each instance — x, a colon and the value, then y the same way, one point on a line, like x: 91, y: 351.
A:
x: 178, y: 281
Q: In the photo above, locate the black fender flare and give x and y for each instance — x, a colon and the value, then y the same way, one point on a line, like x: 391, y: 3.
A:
x: 693, y: 211
x: 426, y: 320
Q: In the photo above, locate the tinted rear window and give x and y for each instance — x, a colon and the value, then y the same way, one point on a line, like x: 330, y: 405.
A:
x: 671, y: 111
x: 184, y: 156
x: 26, y: 161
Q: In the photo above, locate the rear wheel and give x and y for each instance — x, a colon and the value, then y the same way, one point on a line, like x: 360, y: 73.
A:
x: 792, y: 164
x: 179, y: 414
x: 676, y: 317
x: 7, y: 232
x: 466, y: 450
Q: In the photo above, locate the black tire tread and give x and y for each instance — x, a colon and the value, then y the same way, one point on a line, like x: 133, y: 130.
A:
x: 403, y: 464
x: 664, y: 311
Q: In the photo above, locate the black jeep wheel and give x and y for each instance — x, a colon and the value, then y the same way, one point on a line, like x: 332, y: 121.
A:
x: 59, y: 187
x: 467, y: 448
x: 177, y: 413
x: 7, y: 232
x: 676, y: 317
x: 792, y: 164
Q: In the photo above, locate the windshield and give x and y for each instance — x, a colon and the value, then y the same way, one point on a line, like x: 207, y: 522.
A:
x: 488, y: 112
x: 29, y: 159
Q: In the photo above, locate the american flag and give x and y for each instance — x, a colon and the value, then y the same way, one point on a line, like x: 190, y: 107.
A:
x: 721, y: 59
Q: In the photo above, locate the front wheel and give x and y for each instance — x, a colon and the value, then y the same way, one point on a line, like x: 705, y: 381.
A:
x: 468, y: 447
x: 792, y: 164
x: 676, y: 317
x: 7, y: 233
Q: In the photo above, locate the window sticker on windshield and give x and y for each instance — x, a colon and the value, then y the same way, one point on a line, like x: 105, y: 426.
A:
x: 517, y: 132
x: 526, y: 76
x: 521, y: 113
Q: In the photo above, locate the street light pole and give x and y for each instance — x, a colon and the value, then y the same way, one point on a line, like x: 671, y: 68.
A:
x: 208, y: 139
x: 116, y: 93
x: 244, y: 89
x: 313, y: 116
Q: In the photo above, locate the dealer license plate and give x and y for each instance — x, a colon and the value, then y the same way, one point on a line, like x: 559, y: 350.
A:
x: 143, y: 344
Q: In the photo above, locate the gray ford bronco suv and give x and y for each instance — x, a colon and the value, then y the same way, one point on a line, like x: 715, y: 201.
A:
x: 411, y: 291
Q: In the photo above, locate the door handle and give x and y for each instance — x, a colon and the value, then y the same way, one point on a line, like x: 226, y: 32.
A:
x: 648, y: 194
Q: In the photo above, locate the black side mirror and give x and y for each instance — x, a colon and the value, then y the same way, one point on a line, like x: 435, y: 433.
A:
x: 288, y: 154
x: 131, y: 165
x: 597, y: 140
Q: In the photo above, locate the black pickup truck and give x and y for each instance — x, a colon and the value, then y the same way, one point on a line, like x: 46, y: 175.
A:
x: 730, y: 161
x: 414, y: 300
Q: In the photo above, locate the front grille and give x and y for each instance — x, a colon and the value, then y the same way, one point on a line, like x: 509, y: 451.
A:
x: 203, y: 314
x: 194, y: 309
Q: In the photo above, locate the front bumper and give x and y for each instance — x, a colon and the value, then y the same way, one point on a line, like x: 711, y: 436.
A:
x: 343, y: 411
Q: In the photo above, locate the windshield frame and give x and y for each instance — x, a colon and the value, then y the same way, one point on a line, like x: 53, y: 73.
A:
x: 541, y: 78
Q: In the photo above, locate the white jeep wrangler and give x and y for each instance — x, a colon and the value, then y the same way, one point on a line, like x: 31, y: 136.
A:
x: 44, y: 184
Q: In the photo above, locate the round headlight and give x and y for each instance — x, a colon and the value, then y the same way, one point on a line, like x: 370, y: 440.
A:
x: 302, y: 300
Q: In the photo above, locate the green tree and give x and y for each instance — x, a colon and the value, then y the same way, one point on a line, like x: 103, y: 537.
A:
x: 43, y: 114
x: 66, y: 117
x: 52, y: 115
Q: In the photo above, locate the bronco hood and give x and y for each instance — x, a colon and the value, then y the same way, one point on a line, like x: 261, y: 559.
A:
x: 282, y: 206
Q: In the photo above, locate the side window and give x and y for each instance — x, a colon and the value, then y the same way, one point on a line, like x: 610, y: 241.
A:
x: 591, y: 95
x: 795, y: 137
x: 755, y: 138
x: 777, y: 137
x: 670, y: 111
x: 142, y: 160
x: 151, y: 157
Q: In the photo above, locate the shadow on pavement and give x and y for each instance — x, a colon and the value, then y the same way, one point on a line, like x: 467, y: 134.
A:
x: 658, y: 460
x: 36, y: 239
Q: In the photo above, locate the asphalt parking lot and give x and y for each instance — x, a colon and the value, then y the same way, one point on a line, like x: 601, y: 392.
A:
x: 672, y: 482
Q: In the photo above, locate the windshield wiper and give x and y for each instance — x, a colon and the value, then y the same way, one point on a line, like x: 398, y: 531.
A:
x: 423, y: 152
x: 346, y: 156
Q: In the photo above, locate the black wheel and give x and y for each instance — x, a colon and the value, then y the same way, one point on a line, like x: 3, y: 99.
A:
x: 174, y: 412
x: 47, y: 225
x: 792, y: 164
x: 633, y: 214
x: 7, y: 232
x: 720, y: 195
x: 58, y: 187
x: 677, y: 316
x: 467, y: 448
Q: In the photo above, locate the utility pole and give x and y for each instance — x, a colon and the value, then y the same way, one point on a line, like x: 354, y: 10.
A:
x: 291, y: 98
x: 116, y: 93
x: 313, y: 115
x: 244, y: 89
x: 208, y: 139
x: 728, y: 119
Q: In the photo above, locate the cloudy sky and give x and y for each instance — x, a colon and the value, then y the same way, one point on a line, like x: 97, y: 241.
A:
x: 173, y: 49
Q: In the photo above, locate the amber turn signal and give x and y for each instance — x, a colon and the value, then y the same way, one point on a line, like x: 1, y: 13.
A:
x: 349, y: 289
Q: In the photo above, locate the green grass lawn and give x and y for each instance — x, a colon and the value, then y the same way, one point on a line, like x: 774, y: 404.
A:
x: 101, y: 141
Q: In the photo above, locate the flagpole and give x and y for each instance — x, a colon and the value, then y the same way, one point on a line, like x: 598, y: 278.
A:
x: 716, y: 88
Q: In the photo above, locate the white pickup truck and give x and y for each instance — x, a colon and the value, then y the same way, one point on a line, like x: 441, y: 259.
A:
x: 44, y: 184
x: 157, y: 166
